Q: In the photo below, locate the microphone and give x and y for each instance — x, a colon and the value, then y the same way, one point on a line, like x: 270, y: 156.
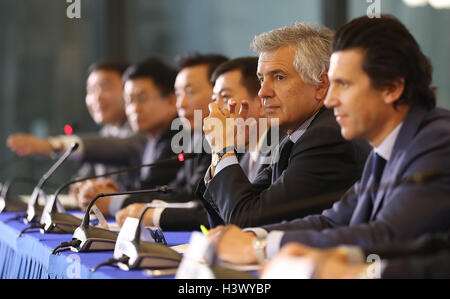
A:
x: 54, y: 222
x: 130, y: 252
x: 87, y: 238
x: 34, y: 211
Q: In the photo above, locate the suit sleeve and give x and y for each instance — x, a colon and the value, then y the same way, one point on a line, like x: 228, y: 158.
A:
x: 419, y: 267
x: 113, y: 151
x: 426, y: 245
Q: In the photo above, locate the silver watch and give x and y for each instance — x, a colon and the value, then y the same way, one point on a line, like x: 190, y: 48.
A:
x: 259, y: 245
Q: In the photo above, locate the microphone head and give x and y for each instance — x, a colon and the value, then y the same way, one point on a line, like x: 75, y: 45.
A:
x: 74, y: 147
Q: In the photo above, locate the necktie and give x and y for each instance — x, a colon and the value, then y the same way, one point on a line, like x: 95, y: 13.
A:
x: 377, y: 171
x: 283, y: 161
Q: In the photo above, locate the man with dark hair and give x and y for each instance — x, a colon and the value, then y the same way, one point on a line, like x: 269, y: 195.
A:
x: 193, y: 92
x: 105, y: 103
x: 150, y: 106
x: 380, y: 91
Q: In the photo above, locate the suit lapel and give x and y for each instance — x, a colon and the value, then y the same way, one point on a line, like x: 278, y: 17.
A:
x: 409, y: 128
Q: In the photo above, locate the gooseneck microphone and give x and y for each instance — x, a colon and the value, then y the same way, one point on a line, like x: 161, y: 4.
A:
x: 87, y: 238
x: 33, y: 211
x: 54, y: 222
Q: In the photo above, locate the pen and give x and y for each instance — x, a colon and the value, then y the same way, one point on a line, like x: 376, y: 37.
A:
x: 204, y: 230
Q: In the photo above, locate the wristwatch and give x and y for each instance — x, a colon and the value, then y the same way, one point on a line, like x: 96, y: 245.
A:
x: 259, y: 245
x: 228, y: 151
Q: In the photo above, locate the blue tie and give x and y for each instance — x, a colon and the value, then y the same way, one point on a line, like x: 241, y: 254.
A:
x: 377, y: 172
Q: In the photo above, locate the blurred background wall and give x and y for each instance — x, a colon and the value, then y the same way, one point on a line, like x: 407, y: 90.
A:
x: 44, y: 54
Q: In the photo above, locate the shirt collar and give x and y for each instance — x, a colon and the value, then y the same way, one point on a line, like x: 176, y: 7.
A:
x: 386, y: 147
x: 295, y: 136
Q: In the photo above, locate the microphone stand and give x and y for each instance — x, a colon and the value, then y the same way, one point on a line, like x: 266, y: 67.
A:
x: 34, y: 211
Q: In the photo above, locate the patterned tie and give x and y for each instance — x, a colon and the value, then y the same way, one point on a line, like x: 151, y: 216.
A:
x: 283, y: 161
x: 377, y: 172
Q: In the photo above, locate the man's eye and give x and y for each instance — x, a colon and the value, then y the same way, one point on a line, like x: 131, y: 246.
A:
x: 279, y: 77
x: 261, y: 80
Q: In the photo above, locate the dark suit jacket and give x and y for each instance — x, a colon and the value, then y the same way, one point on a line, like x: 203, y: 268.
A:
x: 400, y: 212
x: 321, y: 163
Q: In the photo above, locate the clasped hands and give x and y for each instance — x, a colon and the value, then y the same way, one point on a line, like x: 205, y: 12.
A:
x: 222, y: 126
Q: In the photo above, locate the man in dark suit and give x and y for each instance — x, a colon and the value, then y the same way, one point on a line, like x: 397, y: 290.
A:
x: 151, y: 108
x: 314, y: 160
x: 193, y: 91
x: 380, y: 91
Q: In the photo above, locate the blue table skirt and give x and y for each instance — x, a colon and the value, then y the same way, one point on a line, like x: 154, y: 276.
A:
x: 29, y: 256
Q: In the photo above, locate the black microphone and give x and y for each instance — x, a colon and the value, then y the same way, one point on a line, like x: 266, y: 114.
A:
x: 87, y: 238
x: 130, y: 252
x: 33, y: 210
x: 54, y: 222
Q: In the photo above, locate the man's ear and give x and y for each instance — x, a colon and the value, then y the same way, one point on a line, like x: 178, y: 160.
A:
x: 322, y: 88
x: 393, y: 93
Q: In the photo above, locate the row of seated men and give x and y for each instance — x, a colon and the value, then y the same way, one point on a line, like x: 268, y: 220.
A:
x: 362, y: 164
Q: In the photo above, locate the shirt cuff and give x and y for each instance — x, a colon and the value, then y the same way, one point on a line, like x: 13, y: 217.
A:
x: 273, y: 243
x: 115, y: 204
x: 157, y: 216
x: 225, y: 162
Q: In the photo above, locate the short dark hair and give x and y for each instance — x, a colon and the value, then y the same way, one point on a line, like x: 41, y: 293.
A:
x: 194, y: 59
x: 247, y: 66
x: 162, y: 74
x: 109, y: 65
x: 391, y: 52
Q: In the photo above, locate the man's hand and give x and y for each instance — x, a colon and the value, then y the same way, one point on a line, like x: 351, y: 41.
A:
x: 88, y: 190
x: 134, y: 211
x: 25, y: 145
x: 220, y: 126
x: 233, y: 244
x: 329, y: 263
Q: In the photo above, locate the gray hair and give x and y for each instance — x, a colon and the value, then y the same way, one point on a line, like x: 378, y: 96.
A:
x: 314, y: 48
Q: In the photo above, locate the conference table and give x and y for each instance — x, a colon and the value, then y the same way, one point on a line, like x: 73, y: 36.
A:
x: 30, y: 255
